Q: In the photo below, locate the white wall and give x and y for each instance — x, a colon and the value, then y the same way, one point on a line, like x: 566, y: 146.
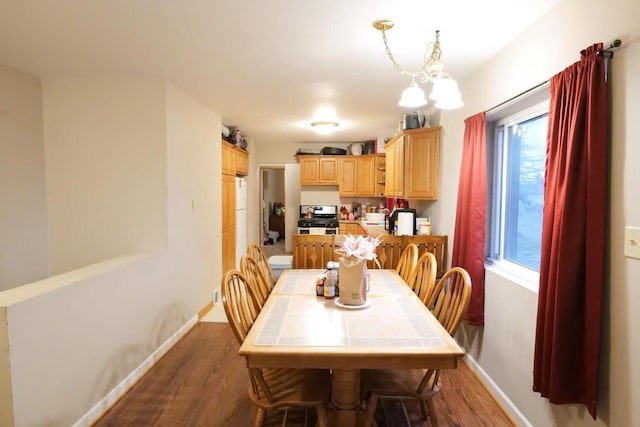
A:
x: 105, y: 168
x: 24, y: 247
x: 194, y: 196
x: 504, y: 349
x: 69, y: 340
x: 292, y: 204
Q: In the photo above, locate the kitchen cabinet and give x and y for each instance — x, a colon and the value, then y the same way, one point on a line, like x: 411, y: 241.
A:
x: 228, y: 159
x: 348, y: 176
x: 352, y: 228
x: 228, y: 222
x: 366, y: 176
x: 380, y: 178
x: 235, y: 160
x: 242, y: 162
x: 318, y: 170
x: 394, y: 167
x: 412, y: 164
x: 358, y: 176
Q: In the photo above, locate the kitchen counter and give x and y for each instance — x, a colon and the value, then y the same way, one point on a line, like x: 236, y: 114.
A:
x: 373, y: 228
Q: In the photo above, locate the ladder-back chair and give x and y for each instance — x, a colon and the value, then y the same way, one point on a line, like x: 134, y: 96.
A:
x: 272, y: 389
x: 451, y: 301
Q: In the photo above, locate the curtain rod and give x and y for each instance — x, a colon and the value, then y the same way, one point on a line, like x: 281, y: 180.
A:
x: 513, y: 98
x: 613, y: 46
x: 607, y: 51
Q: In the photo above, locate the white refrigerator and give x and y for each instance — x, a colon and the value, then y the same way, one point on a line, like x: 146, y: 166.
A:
x: 241, y: 219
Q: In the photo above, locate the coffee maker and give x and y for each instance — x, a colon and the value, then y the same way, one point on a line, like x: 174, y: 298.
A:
x: 402, y: 222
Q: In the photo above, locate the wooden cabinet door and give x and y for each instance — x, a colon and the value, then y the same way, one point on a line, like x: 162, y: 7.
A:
x: 328, y: 171
x: 348, y: 176
x: 395, y: 167
x: 228, y: 222
x: 228, y: 250
x: 366, y: 176
x: 380, y: 178
x: 309, y: 170
x: 242, y: 162
x: 354, y: 229
x: 422, y: 160
x: 318, y: 170
x: 228, y: 161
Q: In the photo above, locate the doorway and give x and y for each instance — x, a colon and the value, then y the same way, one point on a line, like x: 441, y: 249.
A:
x: 272, y: 198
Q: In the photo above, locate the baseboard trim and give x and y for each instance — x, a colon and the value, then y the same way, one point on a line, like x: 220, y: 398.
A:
x: 205, y: 310
x: 496, y: 392
x: 121, y: 389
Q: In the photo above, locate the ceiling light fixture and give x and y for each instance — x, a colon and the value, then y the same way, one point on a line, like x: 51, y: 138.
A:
x: 444, y: 89
x: 324, y: 127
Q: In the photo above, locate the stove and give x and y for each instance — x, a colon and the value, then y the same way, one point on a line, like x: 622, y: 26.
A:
x: 318, y: 219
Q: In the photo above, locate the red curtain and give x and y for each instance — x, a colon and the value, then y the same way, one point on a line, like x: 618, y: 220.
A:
x: 469, y: 236
x: 573, y: 235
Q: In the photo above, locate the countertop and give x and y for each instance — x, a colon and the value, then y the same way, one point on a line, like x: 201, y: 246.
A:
x: 374, y: 228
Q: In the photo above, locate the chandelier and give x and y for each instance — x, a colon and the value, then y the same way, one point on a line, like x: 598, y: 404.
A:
x: 444, y: 89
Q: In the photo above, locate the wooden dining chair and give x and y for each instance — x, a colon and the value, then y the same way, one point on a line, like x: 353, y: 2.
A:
x: 313, y: 251
x: 388, y: 252
x: 256, y: 252
x: 452, y: 297
x: 272, y: 389
x: 256, y: 279
x: 423, y: 279
x: 437, y: 245
x: 407, y: 262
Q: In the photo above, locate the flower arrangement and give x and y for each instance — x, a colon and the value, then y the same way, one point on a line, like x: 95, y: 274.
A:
x: 362, y: 247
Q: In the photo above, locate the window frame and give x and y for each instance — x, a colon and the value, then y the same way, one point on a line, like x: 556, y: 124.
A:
x: 522, y: 110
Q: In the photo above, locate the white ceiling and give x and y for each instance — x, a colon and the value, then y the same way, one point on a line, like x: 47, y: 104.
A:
x: 265, y: 66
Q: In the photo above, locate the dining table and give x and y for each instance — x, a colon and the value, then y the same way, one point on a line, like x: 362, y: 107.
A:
x: 393, y: 329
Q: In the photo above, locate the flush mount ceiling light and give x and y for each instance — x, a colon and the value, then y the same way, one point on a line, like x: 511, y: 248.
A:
x: 444, y: 89
x: 324, y: 127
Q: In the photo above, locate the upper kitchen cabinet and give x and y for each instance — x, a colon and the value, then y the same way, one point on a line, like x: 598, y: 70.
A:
x: 242, y: 162
x: 348, y: 176
x: 318, y: 170
x: 394, y: 165
x: 235, y: 161
x: 366, y: 176
x: 228, y: 159
x: 412, y: 164
x: 361, y: 176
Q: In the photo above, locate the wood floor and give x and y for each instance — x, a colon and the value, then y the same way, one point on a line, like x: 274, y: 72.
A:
x: 203, y: 382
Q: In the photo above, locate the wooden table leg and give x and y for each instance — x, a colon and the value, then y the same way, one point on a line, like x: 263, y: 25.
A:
x: 345, y: 396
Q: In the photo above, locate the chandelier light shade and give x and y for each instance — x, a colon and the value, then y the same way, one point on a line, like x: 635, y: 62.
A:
x: 412, y: 97
x: 444, y: 89
x: 324, y: 127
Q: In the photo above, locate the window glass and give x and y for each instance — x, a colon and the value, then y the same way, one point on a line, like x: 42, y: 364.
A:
x: 517, y: 193
x: 525, y: 191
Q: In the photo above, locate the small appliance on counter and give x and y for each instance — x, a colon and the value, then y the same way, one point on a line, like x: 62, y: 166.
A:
x: 402, y: 222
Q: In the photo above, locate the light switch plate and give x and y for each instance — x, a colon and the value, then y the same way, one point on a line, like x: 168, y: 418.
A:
x: 632, y: 242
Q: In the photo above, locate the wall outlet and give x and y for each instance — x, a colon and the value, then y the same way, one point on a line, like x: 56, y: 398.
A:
x: 632, y: 242
x: 216, y: 295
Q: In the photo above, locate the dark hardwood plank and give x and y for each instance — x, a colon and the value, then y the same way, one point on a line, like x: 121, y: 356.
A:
x: 202, y: 381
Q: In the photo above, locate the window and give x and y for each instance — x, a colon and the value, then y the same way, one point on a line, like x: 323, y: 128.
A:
x: 517, y: 160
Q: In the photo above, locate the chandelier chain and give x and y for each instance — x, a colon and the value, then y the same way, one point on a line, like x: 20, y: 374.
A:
x: 431, y: 53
